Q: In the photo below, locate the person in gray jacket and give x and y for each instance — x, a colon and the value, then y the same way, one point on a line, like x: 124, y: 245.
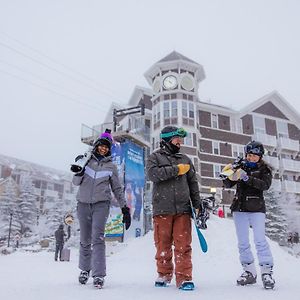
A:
x: 175, y: 186
x: 96, y: 180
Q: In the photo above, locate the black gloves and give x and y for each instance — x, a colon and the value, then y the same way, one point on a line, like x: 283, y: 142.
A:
x: 126, y: 216
x: 202, y: 217
x: 78, y: 170
x: 75, y: 168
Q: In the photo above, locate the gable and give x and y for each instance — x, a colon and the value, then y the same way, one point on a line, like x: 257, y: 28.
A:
x: 269, y: 109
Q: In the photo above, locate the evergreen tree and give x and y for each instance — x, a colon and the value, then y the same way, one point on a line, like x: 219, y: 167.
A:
x: 276, y: 221
x: 54, y: 215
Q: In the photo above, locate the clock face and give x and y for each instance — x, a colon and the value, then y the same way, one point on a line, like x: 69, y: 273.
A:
x: 156, y: 86
x: 170, y: 82
x: 187, y: 82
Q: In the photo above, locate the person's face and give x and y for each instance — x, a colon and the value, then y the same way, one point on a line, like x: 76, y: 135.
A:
x: 102, y: 150
x: 177, y: 141
x: 252, y: 157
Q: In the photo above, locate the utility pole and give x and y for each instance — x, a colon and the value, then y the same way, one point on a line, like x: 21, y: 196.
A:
x: 127, y: 111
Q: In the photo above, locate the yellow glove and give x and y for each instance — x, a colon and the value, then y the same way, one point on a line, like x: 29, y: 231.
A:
x: 183, y: 168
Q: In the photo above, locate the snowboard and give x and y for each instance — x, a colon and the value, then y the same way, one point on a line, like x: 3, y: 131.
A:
x: 202, y: 241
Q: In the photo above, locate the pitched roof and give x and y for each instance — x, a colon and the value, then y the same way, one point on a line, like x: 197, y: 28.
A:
x: 176, y: 56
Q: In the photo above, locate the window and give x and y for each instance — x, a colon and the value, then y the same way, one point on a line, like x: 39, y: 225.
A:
x: 188, y: 139
x: 216, y: 147
x: 214, y: 121
x: 236, y: 125
x: 166, y: 110
x: 154, y: 114
x: 259, y: 124
x: 191, y: 110
x: 217, y: 171
x: 174, y: 108
x: 237, y: 150
x: 184, y: 109
x: 282, y: 129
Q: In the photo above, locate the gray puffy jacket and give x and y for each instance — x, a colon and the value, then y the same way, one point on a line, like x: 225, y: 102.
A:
x: 97, y: 182
x: 172, y: 193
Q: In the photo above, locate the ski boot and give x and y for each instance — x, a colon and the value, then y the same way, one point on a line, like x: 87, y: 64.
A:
x: 162, y: 282
x: 268, y: 281
x: 246, y: 278
x: 187, y: 286
x: 84, y: 277
x: 98, y: 282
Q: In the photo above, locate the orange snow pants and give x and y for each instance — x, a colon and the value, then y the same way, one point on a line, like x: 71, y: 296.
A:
x: 174, y: 230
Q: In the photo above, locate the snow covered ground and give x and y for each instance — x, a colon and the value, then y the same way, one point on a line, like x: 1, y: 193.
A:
x: 131, y: 273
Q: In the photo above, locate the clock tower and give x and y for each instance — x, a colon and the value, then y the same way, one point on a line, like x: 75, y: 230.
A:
x: 175, y: 81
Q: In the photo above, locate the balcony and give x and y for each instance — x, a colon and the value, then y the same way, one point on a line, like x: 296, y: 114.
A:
x: 291, y: 186
x: 289, y: 165
x: 286, y: 144
x: 276, y: 185
x: 272, y: 161
x: 88, y: 135
x: 266, y: 139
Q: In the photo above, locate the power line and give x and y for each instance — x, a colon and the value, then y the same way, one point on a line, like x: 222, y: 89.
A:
x: 42, y: 79
x: 57, y: 62
x: 50, y: 90
x: 54, y: 69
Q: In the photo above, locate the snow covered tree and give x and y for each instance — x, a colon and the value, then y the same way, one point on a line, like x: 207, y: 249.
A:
x: 9, y: 208
x: 276, y: 221
x: 27, y: 204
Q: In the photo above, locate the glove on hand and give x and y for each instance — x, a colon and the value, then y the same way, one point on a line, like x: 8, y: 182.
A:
x: 183, y: 168
x: 126, y: 216
x: 201, y: 218
x: 76, y: 168
x: 244, y: 176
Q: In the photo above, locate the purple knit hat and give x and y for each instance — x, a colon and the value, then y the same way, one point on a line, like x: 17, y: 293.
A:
x: 105, y: 138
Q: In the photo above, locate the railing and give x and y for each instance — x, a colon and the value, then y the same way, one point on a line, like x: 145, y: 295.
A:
x: 291, y: 186
x: 288, y: 144
x: 266, y: 139
x: 88, y: 134
x: 290, y: 165
x: 272, y: 161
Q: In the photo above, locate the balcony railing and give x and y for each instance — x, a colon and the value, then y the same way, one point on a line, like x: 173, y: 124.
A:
x: 291, y: 186
x: 288, y: 144
x: 88, y: 134
x: 272, y: 161
x: 289, y: 165
x: 266, y: 139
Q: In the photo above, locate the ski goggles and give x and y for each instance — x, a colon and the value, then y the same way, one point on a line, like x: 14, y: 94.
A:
x: 249, y: 149
x: 179, y: 132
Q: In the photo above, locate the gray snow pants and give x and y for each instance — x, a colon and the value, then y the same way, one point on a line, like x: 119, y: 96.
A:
x: 92, y: 219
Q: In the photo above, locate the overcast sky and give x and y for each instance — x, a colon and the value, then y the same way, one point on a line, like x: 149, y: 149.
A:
x: 62, y: 62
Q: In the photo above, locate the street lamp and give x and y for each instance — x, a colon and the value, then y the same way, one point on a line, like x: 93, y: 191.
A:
x: 213, y: 191
x: 9, y: 228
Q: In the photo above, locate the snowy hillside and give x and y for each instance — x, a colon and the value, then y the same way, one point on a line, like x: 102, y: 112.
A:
x: 131, y: 273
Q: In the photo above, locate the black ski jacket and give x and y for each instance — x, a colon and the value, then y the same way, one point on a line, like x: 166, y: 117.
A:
x: 249, y: 194
x: 172, y: 193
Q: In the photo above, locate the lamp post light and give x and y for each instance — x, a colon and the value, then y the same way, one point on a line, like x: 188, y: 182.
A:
x: 213, y: 191
x: 9, y: 228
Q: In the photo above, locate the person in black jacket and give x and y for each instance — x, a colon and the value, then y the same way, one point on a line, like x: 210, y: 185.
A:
x: 252, y: 178
x: 175, y: 187
x: 60, y: 240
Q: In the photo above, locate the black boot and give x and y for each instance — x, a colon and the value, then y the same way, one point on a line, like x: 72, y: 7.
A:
x: 84, y: 277
x: 246, y: 278
x: 98, y: 282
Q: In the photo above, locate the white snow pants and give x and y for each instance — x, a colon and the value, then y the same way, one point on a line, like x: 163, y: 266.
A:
x: 243, y: 221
